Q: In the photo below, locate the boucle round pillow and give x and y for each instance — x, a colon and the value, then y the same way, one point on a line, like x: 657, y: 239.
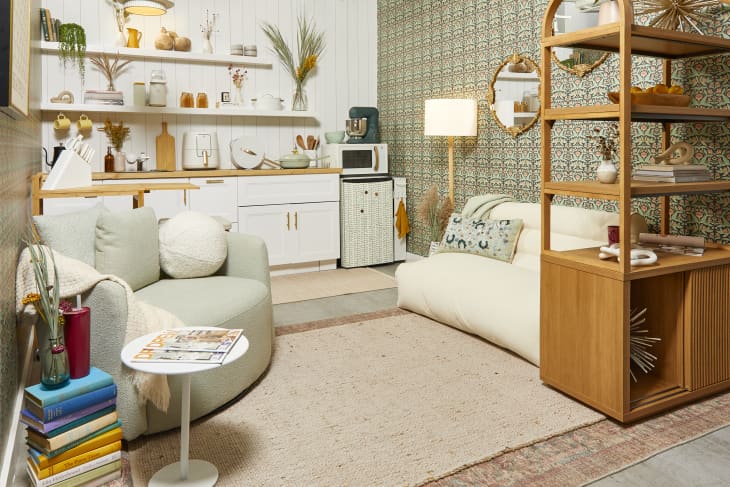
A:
x: 192, y: 245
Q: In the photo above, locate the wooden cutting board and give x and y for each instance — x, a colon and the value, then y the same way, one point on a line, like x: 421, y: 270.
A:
x: 165, y: 150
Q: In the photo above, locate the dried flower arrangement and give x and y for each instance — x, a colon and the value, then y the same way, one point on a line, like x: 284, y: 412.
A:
x: 237, y: 76
x: 433, y: 215
x: 608, y: 143
x: 109, y: 69
x: 116, y: 134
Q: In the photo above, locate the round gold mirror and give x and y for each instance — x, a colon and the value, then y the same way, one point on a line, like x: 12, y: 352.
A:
x: 573, y: 15
x: 514, y: 94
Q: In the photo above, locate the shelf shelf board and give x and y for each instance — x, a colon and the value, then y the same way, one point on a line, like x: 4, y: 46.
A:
x: 508, y: 76
x: 225, y: 111
x: 646, y: 41
x: 587, y: 260
x: 594, y: 189
x: 656, y: 113
x: 188, y: 57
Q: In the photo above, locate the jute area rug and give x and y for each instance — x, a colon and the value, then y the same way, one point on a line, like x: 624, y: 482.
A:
x: 314, y: 285
x: 397, y: 400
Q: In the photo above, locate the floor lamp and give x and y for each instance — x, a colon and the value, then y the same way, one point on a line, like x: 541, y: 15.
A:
x: 451, y: 117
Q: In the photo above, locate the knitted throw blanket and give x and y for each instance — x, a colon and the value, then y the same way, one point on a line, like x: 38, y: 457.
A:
x: 479, y: 207
x: 76, y: 277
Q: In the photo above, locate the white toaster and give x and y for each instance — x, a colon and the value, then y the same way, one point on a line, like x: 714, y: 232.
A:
x: 200, y: 150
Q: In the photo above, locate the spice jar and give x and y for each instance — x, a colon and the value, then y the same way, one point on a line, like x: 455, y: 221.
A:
x: 202, y: 100
x: 186, y: 100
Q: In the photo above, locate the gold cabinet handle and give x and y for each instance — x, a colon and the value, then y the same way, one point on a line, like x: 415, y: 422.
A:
x: 214, y: 181
x: 288, y: 225
x: 296, y: 220
x: 377, y: 158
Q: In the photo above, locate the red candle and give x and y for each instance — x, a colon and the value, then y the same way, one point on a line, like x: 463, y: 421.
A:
x: 77, y: 329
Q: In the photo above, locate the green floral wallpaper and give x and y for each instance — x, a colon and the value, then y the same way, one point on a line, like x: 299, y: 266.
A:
x: 439, y: 48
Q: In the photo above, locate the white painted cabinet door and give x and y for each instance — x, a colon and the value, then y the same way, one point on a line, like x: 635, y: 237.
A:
x: 216, y: 197
x: 274, y: 224
x: 166, y: 203
x: 317, y: 231
x: 58, y: 206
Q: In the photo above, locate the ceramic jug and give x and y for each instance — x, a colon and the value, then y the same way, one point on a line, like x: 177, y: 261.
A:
x: 134, y: 37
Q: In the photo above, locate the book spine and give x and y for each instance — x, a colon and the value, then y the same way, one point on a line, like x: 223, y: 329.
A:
x: 42, y: 397
x: 56, y: 28
x: 82, y: 431
x: 28, y: 418
x: 49, y: 26
x: 72, y: 472
x: 81, y: 459
x: 43, y: 461
x: 77, y: 403
x: 75, y: 424
x: 86, y: 477
x: 44, y: 25
x: 52, y: 453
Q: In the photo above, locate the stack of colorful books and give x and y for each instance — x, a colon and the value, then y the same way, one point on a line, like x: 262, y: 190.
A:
x: 679, y: 173
x: 74, y: 435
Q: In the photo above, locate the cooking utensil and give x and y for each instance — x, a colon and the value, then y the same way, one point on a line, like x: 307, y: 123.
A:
x: 165, y: 154
x: 267, y: 101
x: 246, y: 153
x: 310, y: 142
x: 316, y: 143
x: 300, y: 142
x: 295, y: 160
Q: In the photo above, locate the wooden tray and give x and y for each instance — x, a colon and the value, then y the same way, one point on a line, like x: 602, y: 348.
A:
x: 653, y: 99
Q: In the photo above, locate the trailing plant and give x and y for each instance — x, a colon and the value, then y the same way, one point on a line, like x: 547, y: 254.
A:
x: 72, y: 46
x: 116, y: 134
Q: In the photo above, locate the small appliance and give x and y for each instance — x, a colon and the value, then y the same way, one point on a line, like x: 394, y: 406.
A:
x: 362, y: 127
x: 356, y: 159
x: 200, y: 150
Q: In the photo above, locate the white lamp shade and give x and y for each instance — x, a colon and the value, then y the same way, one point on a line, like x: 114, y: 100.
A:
x: 451, y: 116
x: 147, y: 7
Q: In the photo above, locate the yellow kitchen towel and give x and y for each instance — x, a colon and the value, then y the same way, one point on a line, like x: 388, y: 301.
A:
x: 401, y: 220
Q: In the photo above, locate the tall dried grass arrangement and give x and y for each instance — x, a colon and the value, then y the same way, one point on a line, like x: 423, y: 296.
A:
x: 310, y: 45
x: 433, y: 215
x: 110, y: 69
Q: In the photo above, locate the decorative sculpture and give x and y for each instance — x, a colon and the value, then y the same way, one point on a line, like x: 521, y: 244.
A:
x: 686, y: 152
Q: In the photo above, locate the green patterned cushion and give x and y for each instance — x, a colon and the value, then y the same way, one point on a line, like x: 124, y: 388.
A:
x: 496, y: 239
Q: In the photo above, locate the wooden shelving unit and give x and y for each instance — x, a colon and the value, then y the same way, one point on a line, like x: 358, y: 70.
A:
x: 586, y: 302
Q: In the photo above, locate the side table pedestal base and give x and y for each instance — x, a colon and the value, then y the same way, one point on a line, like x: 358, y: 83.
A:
x: 200, y: 474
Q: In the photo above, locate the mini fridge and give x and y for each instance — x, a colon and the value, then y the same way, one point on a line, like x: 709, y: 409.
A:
x: 366, y: 220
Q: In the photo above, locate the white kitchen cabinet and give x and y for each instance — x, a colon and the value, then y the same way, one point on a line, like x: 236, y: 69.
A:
x: 165, y: 203
x: 295, y: 233
x: 57, y: 206
x: 216, y: 197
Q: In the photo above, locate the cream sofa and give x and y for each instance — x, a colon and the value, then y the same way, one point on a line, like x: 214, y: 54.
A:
x: 496, y: 300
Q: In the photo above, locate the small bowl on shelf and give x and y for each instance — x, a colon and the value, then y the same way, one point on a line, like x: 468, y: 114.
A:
x: 653, y: 99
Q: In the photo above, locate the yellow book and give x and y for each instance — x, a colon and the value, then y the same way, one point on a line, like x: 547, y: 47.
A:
x: 42, y: 473
x: 43, y: 461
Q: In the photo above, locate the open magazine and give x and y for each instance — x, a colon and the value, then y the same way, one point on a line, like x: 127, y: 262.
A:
x: 189, y: 346
x: 673, y: 244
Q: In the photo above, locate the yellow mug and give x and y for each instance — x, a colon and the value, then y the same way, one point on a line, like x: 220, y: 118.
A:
x: 84, y: 124
x: 61, y: 122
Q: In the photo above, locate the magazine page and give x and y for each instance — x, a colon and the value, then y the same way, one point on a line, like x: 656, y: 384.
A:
x: 179, y: 356
x: 673, y: 244
x: 195, y: 340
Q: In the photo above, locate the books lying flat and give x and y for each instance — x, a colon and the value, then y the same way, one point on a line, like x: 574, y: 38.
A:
x: 83, y: 458
x: 41, y: 396
x: 98, y: 441
x: 81, y: 474
x: 673, y: 168
x: 189, y: 346
x: 51, y: 443
x: 71, y: 405
x: 42, y: 450
x: 686, y: 173
x: 48, y: 426
x: 672, y: 179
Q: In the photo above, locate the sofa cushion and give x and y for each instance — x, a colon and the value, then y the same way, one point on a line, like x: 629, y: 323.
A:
x: 127, y: 246
x: 222, y: 301
x: 71, y: 234
x: 192, y: 244
x: 496, y: 239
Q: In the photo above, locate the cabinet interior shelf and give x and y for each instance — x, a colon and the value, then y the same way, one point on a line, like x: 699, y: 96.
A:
x: 587, y: 260
x: 645, y: 41
x: 188, y: 57
x: 224, y: 111
x: 655, y: 113
x: 595, y: 189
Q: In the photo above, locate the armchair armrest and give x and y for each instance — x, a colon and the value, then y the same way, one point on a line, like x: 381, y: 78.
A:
x: 247, y: 257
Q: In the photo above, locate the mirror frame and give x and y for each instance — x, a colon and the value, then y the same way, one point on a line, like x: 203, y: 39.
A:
x: 513, y: 59
x: 579, y: 69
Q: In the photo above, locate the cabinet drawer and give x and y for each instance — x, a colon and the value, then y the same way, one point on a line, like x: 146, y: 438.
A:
x: 216, y: 197
x: 275, y: 190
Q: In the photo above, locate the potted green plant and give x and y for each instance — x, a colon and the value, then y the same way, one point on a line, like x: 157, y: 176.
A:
x: 72, y: 46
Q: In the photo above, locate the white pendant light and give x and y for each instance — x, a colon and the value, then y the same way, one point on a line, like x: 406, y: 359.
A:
x: 147, y: 7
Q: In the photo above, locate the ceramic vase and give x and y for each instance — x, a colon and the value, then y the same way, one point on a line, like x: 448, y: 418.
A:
x: 299, y: 102
x: 237, y: 95
x: 207, y: 46
x: 608, y: 12
x: 433, y: 248
x: 121, y: 40
x: 55, y: 370
x: 607, y: 171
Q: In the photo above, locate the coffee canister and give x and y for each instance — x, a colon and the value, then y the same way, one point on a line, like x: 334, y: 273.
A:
x: 139, y: 94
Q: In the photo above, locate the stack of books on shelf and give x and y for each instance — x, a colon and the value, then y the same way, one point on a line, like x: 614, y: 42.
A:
x: 74, y: 435
x: 679, y: 173
x: 49, y: 26
x: 101, y: 97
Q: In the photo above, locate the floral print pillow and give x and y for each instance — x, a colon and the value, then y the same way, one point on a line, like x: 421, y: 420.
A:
x: 496, y: 239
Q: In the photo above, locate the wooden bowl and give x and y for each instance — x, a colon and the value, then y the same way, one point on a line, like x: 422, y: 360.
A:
x: 653, y: 99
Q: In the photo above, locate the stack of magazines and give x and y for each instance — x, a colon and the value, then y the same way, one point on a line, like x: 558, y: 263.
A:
x: 673, y: 244
x: 679, y: 173
x: 189, y: 345
x: 100, y: 97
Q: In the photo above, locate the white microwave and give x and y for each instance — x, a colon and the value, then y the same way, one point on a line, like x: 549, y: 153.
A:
x: 358, y: 158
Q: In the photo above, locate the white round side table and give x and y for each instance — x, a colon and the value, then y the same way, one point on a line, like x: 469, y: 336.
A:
x: 186, y: 472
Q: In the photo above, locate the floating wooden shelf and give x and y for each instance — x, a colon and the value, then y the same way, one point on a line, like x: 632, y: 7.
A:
x: 655, y: 113
x: 226, y: 111
x: 594, y: 189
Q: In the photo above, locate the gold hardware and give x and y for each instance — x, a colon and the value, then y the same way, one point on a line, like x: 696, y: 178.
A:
x: 205, y: 158
x: 288, y: 224
x: 214, y: 181
x: 377, y: 158
x: 296, y: 220
x: 185, y: 197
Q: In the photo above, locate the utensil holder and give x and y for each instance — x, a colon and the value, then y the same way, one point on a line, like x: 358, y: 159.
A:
x: 69, y: 171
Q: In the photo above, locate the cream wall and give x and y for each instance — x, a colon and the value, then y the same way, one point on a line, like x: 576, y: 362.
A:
x: 346, y: 75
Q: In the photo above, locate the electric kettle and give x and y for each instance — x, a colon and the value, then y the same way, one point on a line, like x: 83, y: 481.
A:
x: 200, y: 150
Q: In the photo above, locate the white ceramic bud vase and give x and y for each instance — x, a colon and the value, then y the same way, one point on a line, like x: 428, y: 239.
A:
x: 607, y: 172
x: 608, y: 12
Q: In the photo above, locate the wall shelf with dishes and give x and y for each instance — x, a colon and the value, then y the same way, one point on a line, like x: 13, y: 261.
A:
x: 194, y: 112
x: 188, y: 57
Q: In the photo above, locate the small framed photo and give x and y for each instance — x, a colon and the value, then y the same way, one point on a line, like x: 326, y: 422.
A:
x: 225, y: 96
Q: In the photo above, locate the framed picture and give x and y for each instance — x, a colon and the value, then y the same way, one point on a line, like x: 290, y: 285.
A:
x: 15, y: 57
x: 226, y: 96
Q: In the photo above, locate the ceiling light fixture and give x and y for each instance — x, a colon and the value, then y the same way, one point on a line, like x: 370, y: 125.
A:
x: 147, y: 7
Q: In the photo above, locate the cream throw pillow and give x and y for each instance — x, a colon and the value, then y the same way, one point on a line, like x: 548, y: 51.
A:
x: 496, y: 239
x: 192, y: 244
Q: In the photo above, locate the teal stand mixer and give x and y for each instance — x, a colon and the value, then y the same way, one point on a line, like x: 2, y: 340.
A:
x: 362, y: 126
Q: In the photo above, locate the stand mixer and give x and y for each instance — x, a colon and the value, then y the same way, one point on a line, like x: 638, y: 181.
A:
x: 362, y: 126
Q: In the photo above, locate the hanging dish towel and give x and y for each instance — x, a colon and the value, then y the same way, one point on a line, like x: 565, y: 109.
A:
x: 401, y: 220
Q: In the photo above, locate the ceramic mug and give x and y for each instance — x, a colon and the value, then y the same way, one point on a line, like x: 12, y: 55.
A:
x: 613, y: 234
x: 61, y: 122
x: 84, y: 124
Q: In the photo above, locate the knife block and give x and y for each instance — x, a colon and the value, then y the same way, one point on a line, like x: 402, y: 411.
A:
x: 69, y: 171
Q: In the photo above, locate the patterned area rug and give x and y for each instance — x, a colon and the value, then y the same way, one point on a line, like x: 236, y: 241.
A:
x: 314, y: 285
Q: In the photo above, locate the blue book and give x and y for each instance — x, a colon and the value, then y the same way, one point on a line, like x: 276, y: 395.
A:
x: 46, y: 427
x: 37, y: 450
x: 41, y: 396
x: 56, y: 410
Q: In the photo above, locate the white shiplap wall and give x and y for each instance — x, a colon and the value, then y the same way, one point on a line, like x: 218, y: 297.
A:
x: 346, y: 75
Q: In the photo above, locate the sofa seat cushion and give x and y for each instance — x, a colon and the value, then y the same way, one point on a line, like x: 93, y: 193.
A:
x: 221, y: 301
x: 495, y: 300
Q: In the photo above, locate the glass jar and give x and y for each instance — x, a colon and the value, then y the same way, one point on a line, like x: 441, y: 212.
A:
x: 201, y: 101
x: 186, y: 100
x: 139, y: 94
x: 54, y: 364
